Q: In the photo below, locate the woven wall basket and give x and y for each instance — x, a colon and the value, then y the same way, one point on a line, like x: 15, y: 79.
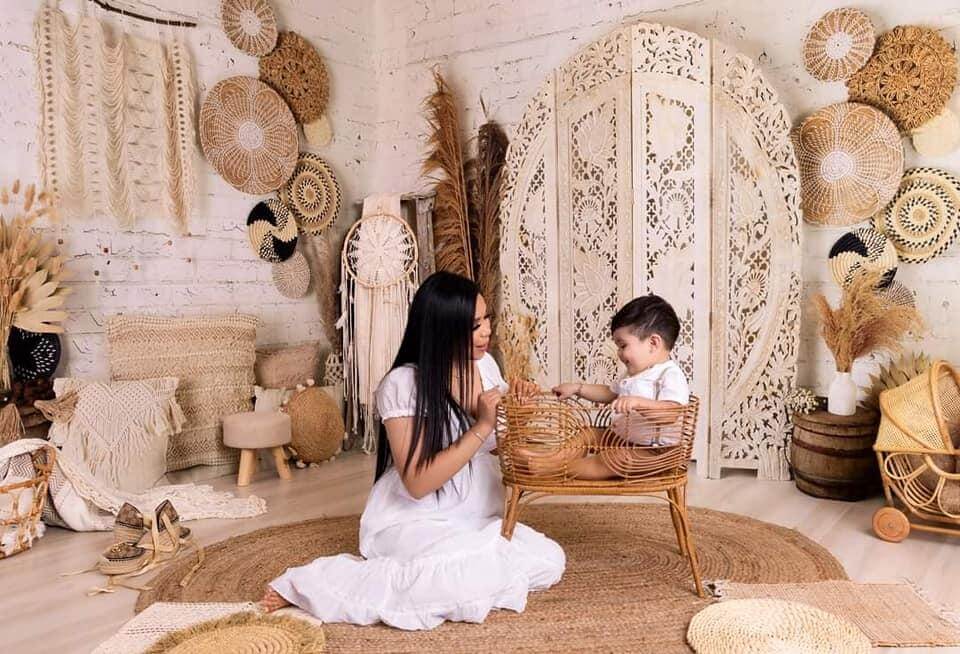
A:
x: 319, y: 133
x: 249, y: 135
x: 865, y: 250
x: 272, y: 231
x: 312, y: 194
x: 850, y: 159
x: 33, y: 355
x: 924, y: 218
x: 939, y: 136
x: 250, y: 25
x: 838, y: 44
x: 296, y: 70
x: 292, y: 277
x: 910, y: 76
x: 899, y: 294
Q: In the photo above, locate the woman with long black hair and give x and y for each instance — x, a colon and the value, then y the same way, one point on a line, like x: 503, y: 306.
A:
x: 430, y: 532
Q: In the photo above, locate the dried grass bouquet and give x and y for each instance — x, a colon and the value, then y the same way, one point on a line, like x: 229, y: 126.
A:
x: 866, y: 321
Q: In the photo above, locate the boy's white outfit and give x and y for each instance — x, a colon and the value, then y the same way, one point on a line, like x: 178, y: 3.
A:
x: 662, y: 381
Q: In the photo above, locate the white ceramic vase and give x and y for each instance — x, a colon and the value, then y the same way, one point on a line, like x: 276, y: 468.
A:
x: 842, y: 397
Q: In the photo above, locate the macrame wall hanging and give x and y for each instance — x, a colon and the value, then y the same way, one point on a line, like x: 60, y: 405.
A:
x: 117, y: 128
x: 379, y: 278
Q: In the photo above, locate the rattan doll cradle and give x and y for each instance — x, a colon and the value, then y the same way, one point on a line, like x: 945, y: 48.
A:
x: 918, y: 449
x: 540, y: 440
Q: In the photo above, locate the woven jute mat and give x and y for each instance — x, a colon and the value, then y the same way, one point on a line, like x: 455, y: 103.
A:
x: 626, y: 587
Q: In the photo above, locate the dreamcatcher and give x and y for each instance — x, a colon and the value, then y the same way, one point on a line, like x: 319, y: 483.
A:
x: 379, y: 278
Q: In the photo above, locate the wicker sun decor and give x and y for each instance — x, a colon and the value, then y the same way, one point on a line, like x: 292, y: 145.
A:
x: 863, y: 249
x: 850, y: 159
x: 923, y: 219
x: 296, y: 70
x: 838, y: 44
x: 249, y: 135
x: 753, y: 626
x: 938, y: 136
x: 910, y: 76
x: 250, y: 25
x: 272, y: 231
x: 292, y: 277
x: 312, y: 194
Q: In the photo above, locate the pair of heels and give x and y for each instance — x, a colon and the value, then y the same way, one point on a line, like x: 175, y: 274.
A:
x: 143, y: 542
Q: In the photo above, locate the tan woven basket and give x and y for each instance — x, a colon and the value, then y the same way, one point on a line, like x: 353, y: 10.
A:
x: 838, y: 44
x: 23, y: 526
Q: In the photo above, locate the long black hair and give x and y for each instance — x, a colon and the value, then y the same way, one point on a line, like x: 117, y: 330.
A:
x: 438, y: 342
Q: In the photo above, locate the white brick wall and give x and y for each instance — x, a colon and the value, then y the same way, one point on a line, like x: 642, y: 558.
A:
x: 503, y: 50
x: 214, y: 271
x: 379, y: 53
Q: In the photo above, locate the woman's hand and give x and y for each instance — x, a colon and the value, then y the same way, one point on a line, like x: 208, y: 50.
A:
x: 487, y: 410
x: 565, y: 390
x: 524, y: 389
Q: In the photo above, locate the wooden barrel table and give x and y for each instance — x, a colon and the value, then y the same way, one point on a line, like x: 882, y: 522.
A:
x: 832, y: 456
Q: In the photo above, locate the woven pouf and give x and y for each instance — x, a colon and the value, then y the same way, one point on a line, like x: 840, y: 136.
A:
x: 255, y: 430
x: 316, y: 425
x: 250, y: 633
x: 764, y: 626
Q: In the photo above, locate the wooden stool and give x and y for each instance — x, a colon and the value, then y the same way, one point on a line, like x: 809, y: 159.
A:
x: 255, y: 430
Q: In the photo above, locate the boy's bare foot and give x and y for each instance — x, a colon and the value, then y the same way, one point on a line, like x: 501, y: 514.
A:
x: 273, y: 601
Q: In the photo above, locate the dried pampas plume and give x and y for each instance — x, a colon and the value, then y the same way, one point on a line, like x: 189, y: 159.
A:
x: 445, y: 166
x: 866, y: 321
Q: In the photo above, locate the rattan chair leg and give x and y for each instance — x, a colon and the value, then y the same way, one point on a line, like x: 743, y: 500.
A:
x: 674, y: 516
x: 691, y: 551
x: 513, y: 509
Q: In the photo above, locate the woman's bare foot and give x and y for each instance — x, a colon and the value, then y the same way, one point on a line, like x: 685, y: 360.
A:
x: 273, y: 601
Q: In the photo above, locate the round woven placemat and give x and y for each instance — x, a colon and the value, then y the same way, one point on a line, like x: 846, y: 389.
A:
x: 838, y: 44
x: 248, y: 135
x: 625, y: 585
x: 923, y: 220
x: 910, y: 76
x: 760, y: 626
x: 312, y: 194
x: 863, y: 249
x: 291, y: 278
x: 850, y: 159
x: 296, y: 70
x: 248, y: 632
x: 250, y: 25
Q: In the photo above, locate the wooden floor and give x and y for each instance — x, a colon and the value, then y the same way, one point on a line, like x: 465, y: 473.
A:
x: 42, y: 612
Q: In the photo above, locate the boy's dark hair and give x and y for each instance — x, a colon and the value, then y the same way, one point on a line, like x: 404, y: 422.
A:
x: 647, y: 315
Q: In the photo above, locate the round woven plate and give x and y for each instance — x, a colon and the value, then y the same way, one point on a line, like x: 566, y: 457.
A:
x: 910, y: 76
x: 760, y: 626
x: 312, y: 194
x: 866, y: 250
x: 249, y: 135
x: 272, y: 231
x: 296, y: 70
x: 624, y: 579
x: 850, y: 159
x: 939, y: 136
x: 292, y: 277
x: 247, y: 632
x: 250, y: 25
x: 924, y: 218
x: 319, y: 133
x: 33, y: 355
x: 838, y: 44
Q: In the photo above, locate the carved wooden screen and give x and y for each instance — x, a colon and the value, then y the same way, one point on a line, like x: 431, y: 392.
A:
x: 659, y: 161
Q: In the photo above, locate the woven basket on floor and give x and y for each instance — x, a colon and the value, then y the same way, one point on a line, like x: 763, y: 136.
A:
x: 18, y: 524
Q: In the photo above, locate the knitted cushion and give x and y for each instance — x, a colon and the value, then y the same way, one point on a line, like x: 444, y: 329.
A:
x: 287, y: 366
x: 213, y: 358
x: 121, y: 430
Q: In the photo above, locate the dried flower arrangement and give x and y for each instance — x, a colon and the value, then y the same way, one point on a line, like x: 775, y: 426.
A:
x: 866, y: 321
x: 802, y: 400
x: 31, y: 271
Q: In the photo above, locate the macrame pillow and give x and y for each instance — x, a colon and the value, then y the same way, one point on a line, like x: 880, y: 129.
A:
x: 121, y: 430
x: 213, y: 358
x: 286, y: 367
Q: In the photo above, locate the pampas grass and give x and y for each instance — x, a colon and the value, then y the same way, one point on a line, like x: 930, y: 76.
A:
x: 517, y: 334
x: 866, y: 321
x: 485, y: 209
x: 445, y: 166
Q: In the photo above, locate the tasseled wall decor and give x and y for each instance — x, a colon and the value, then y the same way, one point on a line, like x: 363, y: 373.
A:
x: 117, y: 129
x: 378, y: 277
x: 444, y: 164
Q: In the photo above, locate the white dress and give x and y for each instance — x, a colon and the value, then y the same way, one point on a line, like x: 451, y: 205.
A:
x: 437, y: 558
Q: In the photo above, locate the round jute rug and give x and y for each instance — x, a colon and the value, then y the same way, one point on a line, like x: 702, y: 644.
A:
x: 626, y: 587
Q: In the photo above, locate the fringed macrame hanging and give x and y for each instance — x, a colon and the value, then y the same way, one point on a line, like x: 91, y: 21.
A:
x: 379, y: 278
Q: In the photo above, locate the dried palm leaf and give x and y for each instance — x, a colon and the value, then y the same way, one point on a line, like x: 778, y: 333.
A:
x: 895, y: 373
x: 445, y: 166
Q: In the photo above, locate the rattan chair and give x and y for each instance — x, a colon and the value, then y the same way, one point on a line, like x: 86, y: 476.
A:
x: 541, y: 440
x: 918, y: 449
